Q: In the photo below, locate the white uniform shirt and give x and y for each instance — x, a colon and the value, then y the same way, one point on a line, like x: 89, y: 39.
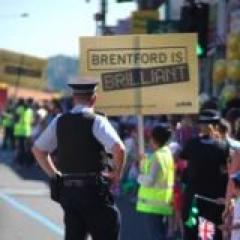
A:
x: 102, y: 130
x: 235, y: 235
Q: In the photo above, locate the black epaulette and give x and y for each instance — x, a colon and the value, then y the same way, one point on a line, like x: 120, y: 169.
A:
x: 100, y: 113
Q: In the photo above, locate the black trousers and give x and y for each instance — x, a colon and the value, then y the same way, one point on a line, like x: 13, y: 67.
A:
x: 156, y: 226
x: 8, y: 139
x: 23, y: 155
x: 89, y: 210
x: 20, y: 154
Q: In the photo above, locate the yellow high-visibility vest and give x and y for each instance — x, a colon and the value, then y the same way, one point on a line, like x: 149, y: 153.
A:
x: 19, y: 123
x: 28, y: 120
x: 7, y: 120
x: 157, y: 199
x: 23, y: 127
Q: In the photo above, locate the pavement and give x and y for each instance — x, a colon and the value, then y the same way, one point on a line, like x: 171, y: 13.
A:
x: 27, y: 213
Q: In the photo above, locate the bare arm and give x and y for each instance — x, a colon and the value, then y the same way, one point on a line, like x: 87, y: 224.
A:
x: 45, y: 162
x: 119, y: 157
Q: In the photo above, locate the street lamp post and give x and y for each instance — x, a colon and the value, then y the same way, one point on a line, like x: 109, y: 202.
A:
x: 101, y: 15
x: 103, y: 12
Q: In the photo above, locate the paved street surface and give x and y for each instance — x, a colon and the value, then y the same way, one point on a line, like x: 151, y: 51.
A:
x: 27, y: 213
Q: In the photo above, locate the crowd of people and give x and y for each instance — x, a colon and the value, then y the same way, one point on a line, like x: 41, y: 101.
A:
x: 205, y: 152
x: 22, y: 121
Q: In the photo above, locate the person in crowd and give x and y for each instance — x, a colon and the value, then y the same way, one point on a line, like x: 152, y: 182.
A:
x: 232, y: 116
x: 19, y: 132
x: 224, y: 130
x: 7, y: 124
x: 233, y: 226
x: 237, y: 128
x: 54, y: 108
x: 40, y: 122
x: 206, y: 172
x: 176, y: 223
x: 129, y: 178
x: 233, y: 103
x: 129, y: 183
x: 156, y: 181
x: 185, y: 130
x: 28, y: 126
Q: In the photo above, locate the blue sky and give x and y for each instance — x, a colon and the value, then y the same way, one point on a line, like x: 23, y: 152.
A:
x: 53, y: 26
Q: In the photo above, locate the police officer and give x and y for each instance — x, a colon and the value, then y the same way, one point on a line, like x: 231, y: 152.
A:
x: 82, y: 138
x: 206, y: 173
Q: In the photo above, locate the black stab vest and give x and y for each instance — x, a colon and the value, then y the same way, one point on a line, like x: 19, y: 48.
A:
x: 78, y: 149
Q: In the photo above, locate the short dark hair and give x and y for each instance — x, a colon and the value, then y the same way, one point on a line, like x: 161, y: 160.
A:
x: 161, y: 134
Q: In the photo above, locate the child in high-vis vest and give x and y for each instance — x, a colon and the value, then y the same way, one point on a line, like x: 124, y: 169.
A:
x: 156, y: 180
